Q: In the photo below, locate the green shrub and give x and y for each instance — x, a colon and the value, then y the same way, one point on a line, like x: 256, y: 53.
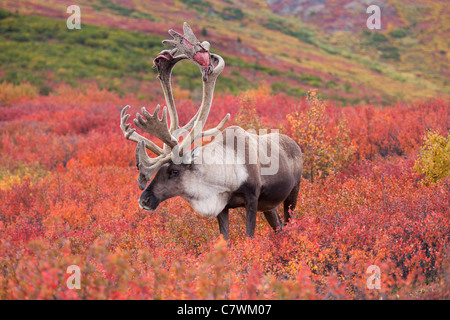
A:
x: 94, y: 52
x: 398, y: 33
x: 196, y: 3
x: 303, y: 34
x: 4, y: 14
x: 231, y: 13
x: 379, y: 38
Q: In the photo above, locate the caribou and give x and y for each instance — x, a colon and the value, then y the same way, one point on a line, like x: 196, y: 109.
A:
x: 233, y: 170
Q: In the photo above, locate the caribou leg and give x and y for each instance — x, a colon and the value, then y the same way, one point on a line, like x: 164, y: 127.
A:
x: 274, y: 219
x: 223, y: 220
x: 251, y: 209
x: 290, y: 203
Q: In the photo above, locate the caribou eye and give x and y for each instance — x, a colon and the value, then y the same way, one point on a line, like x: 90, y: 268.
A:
x: 173, y: 173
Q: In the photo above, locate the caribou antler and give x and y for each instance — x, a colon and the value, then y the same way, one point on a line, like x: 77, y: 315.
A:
x: 132, y: 135
x: 189, y: 45
x: 211, y: 66
x: 164, y: 63
x: 148, y: 166
x: 155, y: 126
x: 217, y: 65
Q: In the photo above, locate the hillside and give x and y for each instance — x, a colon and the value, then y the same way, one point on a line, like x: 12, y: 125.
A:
x: 372, y: 219
x: 261, y: 44
x: 413, y: 37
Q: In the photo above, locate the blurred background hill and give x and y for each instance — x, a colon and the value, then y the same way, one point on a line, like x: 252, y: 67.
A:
x: 286, y: 46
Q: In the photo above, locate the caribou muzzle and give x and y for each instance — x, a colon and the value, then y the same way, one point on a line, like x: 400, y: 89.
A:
x: 148, y: 201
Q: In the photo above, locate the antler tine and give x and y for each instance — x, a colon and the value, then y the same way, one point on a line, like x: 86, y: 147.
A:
x: 190, y: 46
x: 155, y: 126
x: 189, y: 34
x: 216, y: 130
x: 132, y: 135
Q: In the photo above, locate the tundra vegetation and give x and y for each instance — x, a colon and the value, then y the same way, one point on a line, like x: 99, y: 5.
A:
x: 68, y: 197
x: 375, y: 187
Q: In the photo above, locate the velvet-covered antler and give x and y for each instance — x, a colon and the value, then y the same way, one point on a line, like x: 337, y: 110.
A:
x: 211, y: 66
x: 188, y: 45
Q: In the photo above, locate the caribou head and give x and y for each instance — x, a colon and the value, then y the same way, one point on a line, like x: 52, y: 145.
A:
x: 211, y: 66
x: 210, y: 187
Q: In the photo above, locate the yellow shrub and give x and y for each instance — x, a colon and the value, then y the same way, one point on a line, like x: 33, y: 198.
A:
x: 10, y: 92
x: 434, y: 157
x: 324, y: 151
x: 10, y: 178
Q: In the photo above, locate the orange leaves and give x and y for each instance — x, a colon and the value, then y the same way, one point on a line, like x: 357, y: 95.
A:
x: 347, y: 224
x: 68, y: 196
x: 247, y: 116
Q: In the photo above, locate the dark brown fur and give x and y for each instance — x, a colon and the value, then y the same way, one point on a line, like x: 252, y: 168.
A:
x: 258, y: 193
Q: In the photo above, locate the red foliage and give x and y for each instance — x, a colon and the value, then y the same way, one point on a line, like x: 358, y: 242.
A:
x: 68, y: 196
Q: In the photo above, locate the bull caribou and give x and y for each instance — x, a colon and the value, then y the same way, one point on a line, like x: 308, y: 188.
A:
x: 224, y: 174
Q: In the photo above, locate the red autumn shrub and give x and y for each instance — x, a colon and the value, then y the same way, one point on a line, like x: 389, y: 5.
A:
x: 68, y: 196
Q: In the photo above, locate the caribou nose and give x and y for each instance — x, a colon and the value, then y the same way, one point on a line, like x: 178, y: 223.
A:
x: 144, y: 204
x: 148, y: 202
